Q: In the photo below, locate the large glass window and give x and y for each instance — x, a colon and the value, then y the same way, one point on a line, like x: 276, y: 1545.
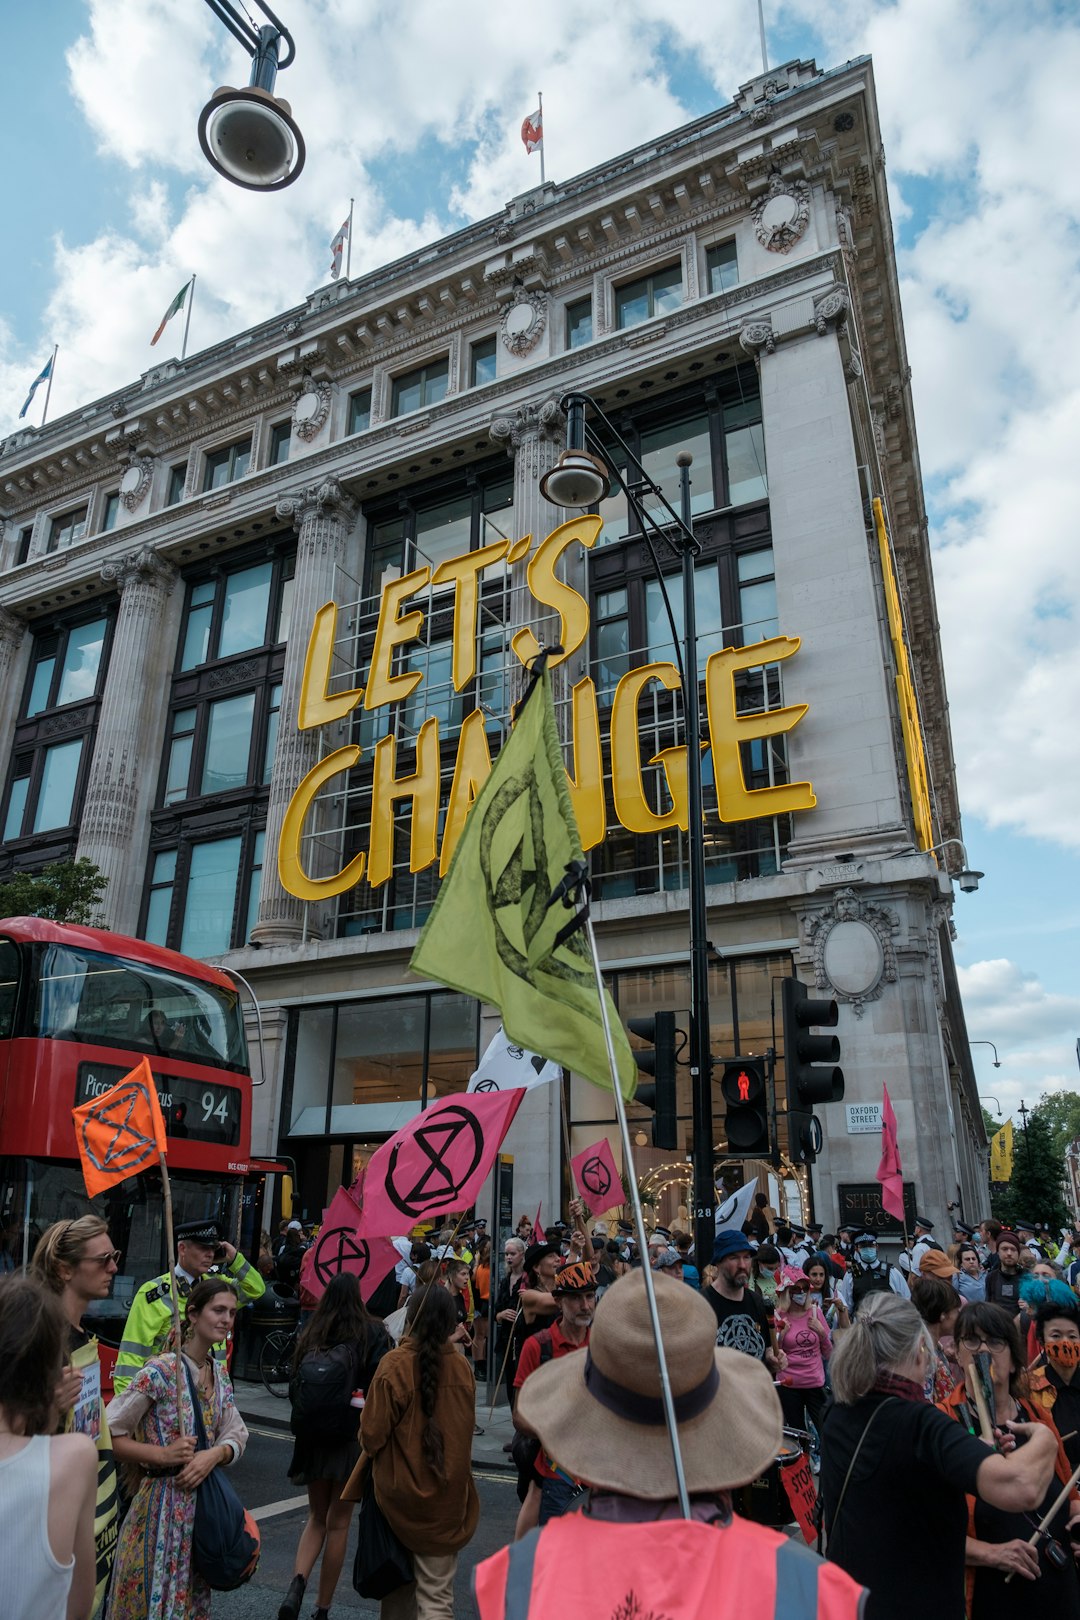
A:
x: 659, y: 448
x: 360, y: 411
x: 744, y: 452
x: 444, y: 531
x: 224, y: 466
x: 228, y: 743
x: 202, y: 896
x: 417, y: 389
x: 578, y: 323
x: 280, y: 442
x: 111, y: 511
x: 658, y: 293
x: 174, y: 490
x: 722, y: 267
x: 56, y: 795
x: 66, y: 667
x: 483, y: 360
x: 210, y: 897
x: 246, y: 604
x: 245, y: 608
x: 67, y: 530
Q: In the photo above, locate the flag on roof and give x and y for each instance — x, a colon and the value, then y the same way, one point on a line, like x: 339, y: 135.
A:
x: 121, y: 1132
x: 532, y: 131
x: 174, y: 309
x: 337, y: 251
x: 43, y: 376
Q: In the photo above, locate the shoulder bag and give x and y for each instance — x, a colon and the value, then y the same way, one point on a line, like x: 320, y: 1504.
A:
x: 382, y: 1562
x: 225, y: 1540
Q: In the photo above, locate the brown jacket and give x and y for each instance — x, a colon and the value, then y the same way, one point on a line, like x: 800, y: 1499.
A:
x: 428, y: 1514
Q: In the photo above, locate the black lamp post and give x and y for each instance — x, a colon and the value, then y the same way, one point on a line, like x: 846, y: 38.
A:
x: 578, y: 479
x: 250, y: 136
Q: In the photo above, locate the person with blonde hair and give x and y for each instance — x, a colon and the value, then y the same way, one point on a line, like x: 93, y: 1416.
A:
x: 896, y: 1472
x: 77, y: 1262
x: 47, y: 1480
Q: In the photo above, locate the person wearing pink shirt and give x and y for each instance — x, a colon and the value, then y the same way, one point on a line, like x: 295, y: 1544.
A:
x: 803, y: 1335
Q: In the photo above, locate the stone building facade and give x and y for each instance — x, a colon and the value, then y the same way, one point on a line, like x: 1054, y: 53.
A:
x: 729, y: 290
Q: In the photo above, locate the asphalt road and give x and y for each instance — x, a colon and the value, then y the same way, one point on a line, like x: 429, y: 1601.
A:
x: 261, y: 1481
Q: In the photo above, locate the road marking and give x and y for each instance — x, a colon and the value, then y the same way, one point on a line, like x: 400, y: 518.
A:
x: 270, y: 1510
x: 268, y: 1434
x: 505, y: 1477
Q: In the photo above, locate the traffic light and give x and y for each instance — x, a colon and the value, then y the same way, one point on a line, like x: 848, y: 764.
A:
x: 658, y: 1059
x: 742, y: 1087
x: 810, y: 1061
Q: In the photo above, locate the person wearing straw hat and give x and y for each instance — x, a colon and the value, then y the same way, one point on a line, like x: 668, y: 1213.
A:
x: 629, y: 1552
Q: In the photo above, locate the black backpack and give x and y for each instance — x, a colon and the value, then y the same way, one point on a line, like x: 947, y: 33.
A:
x: 321, y: 1391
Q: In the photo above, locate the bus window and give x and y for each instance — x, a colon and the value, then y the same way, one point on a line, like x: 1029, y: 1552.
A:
x: 106, y: 1001
x: 9, y: 986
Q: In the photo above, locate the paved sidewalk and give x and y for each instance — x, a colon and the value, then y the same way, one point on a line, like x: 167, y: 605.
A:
x: 258, y: 1406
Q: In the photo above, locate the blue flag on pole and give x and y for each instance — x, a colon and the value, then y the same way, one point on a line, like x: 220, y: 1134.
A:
x: 43, y: 376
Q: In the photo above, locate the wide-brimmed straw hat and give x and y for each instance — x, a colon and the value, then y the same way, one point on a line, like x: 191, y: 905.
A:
x: 599, y: 1413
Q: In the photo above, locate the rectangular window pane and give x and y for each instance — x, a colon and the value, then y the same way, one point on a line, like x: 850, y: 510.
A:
x: 254, y: 885
x: 311, y: 1071
x: 667, y: 289
x: 16, y: 807
x: 157, y: 916
x: 386, y: 554
x: 164, y: 867
x: 706, y: 612
x: 757, y: 611
x: 425, y: 386
x: 285, y: 611
x: 40, y: 686
x: 272, y: 732
x: 755, y: 565
x: 632, y: 304
x: 177, y: 479
x: 82, y: 661
x: 444, y: 531
x: 579, y: 323
x: 111, y: 513
x: 436, y: 378
x: 612, y: 655
x: 196, y: 638
x: 616, y: 524
x: 360, y: 411
x: 745, y: 450
x: 228, y: 744
x: 56, y: 796
x: 723, y: 267
x: 435, y: 696
x: 483, y: 362
x: 179, y: 772
x: 247, y: 599
x: 241, y: 459
x: 659, y: 450
x: 280, y: 441
x: 210, y: 898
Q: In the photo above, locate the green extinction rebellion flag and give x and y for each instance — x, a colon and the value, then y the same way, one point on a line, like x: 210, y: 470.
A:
x: 491, y: 933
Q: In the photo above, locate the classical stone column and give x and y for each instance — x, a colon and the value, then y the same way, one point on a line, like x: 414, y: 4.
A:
x: 323, y: 514
x: 14, y: 657
x: 534, y: 436
x: 128, y: 741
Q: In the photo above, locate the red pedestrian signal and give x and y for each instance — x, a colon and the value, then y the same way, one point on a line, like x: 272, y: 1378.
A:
x: 743, y: 1089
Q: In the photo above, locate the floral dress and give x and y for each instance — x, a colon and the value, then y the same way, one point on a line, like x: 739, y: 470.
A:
x: 152, y: 1574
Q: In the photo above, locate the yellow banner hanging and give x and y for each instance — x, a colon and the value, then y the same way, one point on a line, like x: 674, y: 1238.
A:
x: 1001, y: 1153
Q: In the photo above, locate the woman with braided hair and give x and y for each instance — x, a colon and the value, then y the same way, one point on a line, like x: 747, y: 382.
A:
x: 416, y: 1431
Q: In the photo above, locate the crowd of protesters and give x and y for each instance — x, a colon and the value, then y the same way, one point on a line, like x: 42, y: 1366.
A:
x: 934, y: 1388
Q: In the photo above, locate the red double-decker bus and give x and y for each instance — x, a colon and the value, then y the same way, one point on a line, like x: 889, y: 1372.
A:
x: 79, y: 1007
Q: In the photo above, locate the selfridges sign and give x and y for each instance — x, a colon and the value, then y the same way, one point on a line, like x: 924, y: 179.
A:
x: 399, y: 625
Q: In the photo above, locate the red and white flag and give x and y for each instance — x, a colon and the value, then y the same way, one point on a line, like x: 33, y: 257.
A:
x: 890, y: 1171
x: 532, y: 131
x: 337, y: 251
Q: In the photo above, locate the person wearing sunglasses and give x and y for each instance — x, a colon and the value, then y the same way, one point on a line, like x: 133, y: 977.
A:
x: 999, y: 1539
x: 76, y: 1261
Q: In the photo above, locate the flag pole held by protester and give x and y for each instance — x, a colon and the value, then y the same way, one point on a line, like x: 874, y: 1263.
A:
x: 495, y: 933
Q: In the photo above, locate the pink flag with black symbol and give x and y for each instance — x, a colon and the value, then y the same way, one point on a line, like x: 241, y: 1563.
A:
x: 890, y: 1172
x: 438, y: 1162
x: 342, y: 1246
x: 597, y: 1175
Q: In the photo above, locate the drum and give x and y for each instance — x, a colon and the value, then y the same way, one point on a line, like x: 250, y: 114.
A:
x: 765, y: 1500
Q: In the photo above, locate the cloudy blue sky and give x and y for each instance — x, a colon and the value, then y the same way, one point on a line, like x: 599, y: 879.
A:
x: 414, y: 109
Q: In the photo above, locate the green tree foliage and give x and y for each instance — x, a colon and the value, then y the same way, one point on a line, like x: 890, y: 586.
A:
x: 66, y: 891
x: 1061, y: 1112
x: 1035, y: 1191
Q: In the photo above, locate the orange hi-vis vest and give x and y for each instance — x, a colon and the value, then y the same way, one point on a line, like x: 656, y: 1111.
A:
x: 680, y: 1569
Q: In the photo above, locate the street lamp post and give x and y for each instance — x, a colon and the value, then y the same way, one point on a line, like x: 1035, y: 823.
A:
x: 579, y: 479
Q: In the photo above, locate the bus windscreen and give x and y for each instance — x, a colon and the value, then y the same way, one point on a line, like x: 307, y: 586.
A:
x: 103, y: 1000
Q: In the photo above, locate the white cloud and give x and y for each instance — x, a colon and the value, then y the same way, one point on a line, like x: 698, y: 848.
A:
x: 1034, y: 1029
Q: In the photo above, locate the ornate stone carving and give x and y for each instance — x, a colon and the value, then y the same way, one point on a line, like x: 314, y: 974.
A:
x: 325, y: 499
x: 233, y: 674
x: 852, y: 944
x: 544, y: 421
x: 782, y: 214
x: 524, y: 320
x: 136, y: 482
x: 12, y: 628
x: 141, y: 567
x: 831, y: 306
x: 311, y: 408
x: 757, y: 335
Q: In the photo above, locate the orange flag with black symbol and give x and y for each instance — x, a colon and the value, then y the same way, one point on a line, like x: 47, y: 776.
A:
x: 120, y: 1133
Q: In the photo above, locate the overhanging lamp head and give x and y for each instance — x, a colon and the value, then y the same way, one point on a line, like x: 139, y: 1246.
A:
x: 577, y: 479
x: 249, y: 136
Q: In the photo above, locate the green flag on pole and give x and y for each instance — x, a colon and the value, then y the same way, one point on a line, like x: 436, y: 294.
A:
x: 174, y: 309
x: 491, y: 933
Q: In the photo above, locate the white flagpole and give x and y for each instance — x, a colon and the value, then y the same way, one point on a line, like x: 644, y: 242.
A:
x: 187, y: 318
x: 348, y: 243
x: 761, y: 32
x: 540, y: 101
x: 48, y: 390
x: 639, y: 1227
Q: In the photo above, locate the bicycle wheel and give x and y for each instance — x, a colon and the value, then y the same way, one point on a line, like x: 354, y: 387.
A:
x: 275, y: 1361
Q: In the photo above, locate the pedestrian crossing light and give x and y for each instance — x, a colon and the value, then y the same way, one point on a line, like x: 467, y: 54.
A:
x: 742, y: 1087
x: 810, y: 1063
x: 658, y: 1059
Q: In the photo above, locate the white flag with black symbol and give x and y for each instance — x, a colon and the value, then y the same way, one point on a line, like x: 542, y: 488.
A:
x: 505, y: 1067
